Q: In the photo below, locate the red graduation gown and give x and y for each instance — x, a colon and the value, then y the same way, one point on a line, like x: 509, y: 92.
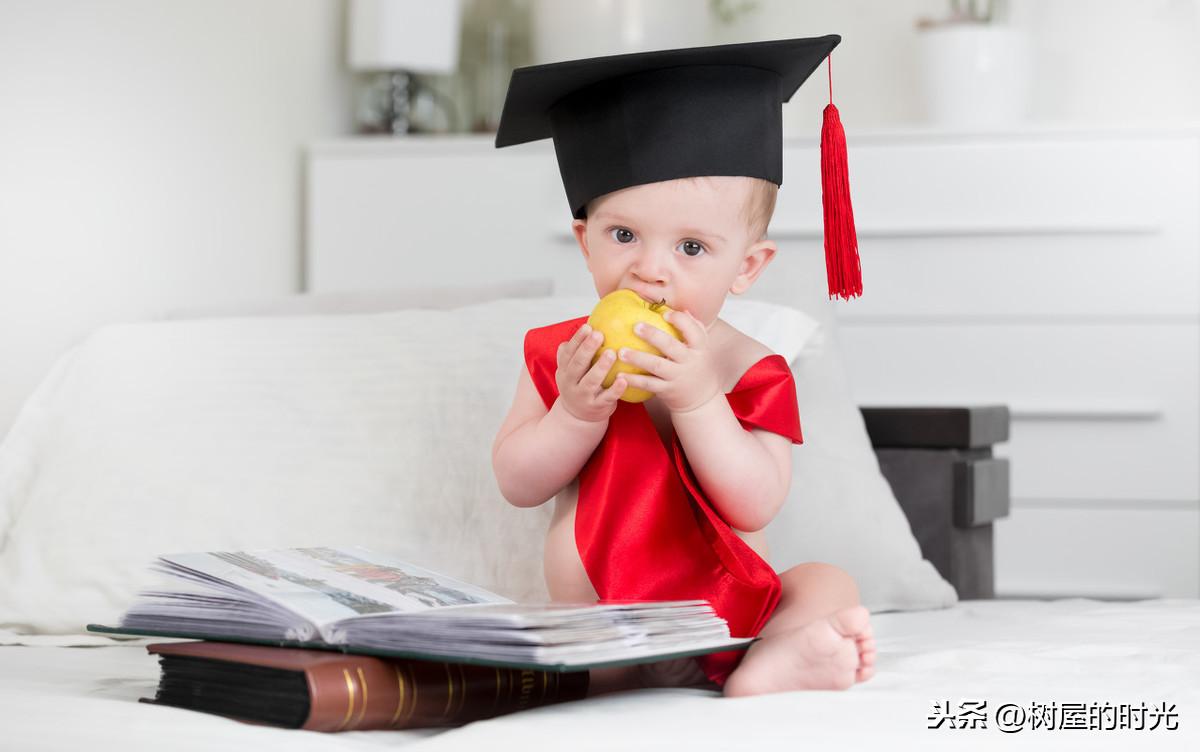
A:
x: 644, y: 529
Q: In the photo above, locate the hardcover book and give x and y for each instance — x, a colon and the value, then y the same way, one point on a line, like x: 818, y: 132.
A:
x: 356, y: 601
x: 319, y: 690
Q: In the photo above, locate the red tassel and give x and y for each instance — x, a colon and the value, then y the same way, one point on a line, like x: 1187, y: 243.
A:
x: 841, y: 241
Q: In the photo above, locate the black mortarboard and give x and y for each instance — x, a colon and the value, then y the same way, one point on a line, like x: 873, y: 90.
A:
x: 633, y: 119
x: 641, y: 118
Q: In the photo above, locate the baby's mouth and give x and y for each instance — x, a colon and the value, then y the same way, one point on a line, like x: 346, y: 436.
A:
x: 652, y: 299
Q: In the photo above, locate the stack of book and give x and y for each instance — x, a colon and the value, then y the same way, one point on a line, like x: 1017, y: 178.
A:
x: 334, y: 639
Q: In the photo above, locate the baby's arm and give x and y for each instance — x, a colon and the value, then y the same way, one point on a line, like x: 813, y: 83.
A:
x: 537, y: 452
x: 745, y: 474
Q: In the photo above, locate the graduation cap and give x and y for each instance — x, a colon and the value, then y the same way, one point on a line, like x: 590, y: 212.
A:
x: 641, y: 118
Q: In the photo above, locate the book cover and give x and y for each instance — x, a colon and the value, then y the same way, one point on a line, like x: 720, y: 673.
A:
x: 354, y: 600
x: 319, y: 690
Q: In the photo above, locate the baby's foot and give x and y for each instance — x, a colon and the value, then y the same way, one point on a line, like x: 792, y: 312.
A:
x: 830, y: 653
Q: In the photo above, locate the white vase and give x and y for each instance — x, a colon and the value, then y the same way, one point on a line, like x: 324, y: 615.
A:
x: 976, y: 75
x: 593, y: 28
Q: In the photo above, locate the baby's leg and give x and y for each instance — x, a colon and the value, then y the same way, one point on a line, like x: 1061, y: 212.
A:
x: 818, y: 638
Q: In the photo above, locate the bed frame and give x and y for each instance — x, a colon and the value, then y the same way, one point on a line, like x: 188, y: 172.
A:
x: 940, y: 465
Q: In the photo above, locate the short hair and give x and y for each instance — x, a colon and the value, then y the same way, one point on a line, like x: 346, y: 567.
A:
x: 760, y: 207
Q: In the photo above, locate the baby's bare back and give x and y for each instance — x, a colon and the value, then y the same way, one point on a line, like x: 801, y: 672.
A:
x: 566, y: 579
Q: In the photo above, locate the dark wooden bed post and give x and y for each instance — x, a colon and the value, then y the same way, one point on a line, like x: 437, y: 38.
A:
x: 940, y: 465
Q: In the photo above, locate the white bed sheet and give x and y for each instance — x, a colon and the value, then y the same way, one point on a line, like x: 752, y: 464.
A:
x: 1002, y: 652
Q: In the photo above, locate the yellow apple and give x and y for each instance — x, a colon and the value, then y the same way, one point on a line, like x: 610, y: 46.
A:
x: 614, y: 316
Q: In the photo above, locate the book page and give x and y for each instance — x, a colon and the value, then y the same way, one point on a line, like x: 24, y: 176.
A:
x: 355, y: 599
x: 567, y: 634
x: 317, y: 585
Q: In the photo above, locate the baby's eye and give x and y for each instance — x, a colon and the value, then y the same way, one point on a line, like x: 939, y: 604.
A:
x: 622, y: 235
x: 690, y: 248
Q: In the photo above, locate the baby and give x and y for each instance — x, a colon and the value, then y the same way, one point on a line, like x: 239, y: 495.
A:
x: 668, y: 498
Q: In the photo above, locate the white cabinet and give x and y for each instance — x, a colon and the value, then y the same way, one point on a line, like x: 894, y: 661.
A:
x: 1054, y: 272
x: 1058, y: 274
x: 384, y: 213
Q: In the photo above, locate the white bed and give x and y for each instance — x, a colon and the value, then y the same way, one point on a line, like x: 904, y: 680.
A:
x: 301, y: 427
x: 1110, y: 657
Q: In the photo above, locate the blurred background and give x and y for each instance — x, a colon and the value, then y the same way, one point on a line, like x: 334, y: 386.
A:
x: 153, y: 159
x: 151, y: 152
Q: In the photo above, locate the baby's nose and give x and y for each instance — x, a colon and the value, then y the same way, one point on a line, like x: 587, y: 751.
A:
x: 652, y: 265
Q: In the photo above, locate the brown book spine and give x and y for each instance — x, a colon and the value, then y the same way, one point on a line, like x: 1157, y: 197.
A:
x: 360, y: 692
x: 373, y: 693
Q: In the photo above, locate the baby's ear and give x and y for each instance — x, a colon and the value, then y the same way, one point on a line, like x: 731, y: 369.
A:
x: 755, y: 262
x: 579, y: 227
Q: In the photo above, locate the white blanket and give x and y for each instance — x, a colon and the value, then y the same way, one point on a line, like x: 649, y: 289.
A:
x: 1064, y: 662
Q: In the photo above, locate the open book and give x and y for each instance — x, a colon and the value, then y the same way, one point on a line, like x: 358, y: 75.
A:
x: 353, y: 600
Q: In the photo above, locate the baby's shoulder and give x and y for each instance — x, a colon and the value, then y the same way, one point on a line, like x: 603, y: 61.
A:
x: 735, y: 352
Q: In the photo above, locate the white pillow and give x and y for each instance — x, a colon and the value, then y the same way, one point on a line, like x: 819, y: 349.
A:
x: 372, y: 430
x: 375, y: 301
x: 840, y: 509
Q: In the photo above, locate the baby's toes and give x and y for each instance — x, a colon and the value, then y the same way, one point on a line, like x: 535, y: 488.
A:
x: 864, y: 673
x: 866, y: 646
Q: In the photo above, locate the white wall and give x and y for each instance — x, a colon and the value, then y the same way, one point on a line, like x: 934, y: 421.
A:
x: 150, y: 158
x: 150, y: 150
x: 1096, y: 62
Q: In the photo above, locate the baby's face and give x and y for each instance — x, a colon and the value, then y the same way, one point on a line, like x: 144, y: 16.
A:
x: 682, y: 241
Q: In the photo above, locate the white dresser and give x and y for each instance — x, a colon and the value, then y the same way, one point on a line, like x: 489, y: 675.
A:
x: 1055, y: 272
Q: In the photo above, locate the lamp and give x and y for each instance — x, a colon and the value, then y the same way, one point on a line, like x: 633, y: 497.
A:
x: 400, y: 38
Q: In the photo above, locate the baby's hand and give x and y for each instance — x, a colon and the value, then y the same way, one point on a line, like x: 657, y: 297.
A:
x: 685, y: 377
x: 579, y: 382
